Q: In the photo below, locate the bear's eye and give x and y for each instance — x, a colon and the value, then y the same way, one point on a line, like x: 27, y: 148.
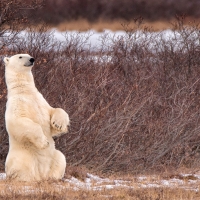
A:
x: 20, y: 57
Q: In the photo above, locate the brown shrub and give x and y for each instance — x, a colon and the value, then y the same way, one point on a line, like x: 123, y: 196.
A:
x: 61, y: 10
x: 133, y: 104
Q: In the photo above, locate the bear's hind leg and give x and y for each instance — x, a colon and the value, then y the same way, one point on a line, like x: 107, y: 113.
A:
x: 20, y: 169
x: 20, y: 174
x: 58, y: 166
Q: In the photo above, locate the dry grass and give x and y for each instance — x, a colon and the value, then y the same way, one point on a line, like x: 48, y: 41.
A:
x: 61, y: 191
x: 101, y: 25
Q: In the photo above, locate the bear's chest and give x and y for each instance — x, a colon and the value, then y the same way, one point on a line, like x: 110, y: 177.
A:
x: 30, y: 106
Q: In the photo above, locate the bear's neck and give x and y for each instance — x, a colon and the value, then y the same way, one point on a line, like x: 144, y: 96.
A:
x: 18, y: 83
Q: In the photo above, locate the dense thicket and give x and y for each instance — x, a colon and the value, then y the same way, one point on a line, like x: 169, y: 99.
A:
x: 62, y: 10
x: 53, y: 12
x: 133, y: 103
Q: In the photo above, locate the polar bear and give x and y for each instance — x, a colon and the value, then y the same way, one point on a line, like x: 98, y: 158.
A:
x: 31, y: 124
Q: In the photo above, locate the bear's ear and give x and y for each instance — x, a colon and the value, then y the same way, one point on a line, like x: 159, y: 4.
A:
x: 6, y: 60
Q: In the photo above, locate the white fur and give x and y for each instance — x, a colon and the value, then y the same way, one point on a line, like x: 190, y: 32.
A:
x: 31, y: 123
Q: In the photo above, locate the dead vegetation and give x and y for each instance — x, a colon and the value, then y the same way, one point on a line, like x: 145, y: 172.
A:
x: 55, y: 12
x: 99, y: 15
x: 102, y: 25
x: 133, y: 103
x: 138, y: 194
x: 62, y: 190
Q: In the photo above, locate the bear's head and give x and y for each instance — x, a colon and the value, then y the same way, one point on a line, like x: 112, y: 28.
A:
x: 19, y: 62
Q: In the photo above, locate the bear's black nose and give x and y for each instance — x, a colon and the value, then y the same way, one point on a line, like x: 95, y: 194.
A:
x: 32, y: 60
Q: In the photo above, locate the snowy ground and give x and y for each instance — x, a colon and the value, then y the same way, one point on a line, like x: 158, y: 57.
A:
x: 95, y: 183
x: 93, y: 39
x: 92, y: 182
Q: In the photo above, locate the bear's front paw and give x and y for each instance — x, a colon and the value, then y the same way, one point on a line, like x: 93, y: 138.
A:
x: 42, y: 142
x: 60, y: 126
x: 60, y: 120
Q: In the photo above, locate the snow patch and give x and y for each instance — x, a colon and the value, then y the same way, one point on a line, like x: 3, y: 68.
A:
x: 96, y: 183
x: 93, y: 182
x: 2, y: 176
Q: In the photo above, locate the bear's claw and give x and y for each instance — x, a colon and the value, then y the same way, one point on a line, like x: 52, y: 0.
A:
x: 60, y: 120
x: 59, y: 126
